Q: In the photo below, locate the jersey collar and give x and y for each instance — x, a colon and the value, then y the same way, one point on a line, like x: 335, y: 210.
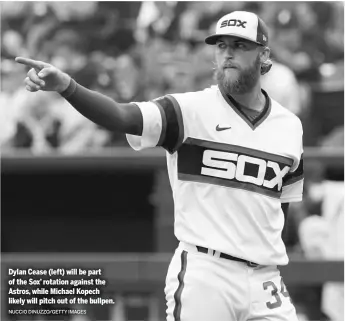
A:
x: 237, y: 108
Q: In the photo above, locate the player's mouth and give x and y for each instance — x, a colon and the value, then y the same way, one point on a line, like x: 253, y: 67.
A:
x: 229, y: 70
x: 229, y: 66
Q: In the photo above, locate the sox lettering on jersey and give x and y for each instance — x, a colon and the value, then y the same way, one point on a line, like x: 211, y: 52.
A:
x: 233, y: 166
x: 222, y: 164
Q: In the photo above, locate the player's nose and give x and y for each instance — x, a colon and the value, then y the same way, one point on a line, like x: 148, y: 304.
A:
x: 229, y: 52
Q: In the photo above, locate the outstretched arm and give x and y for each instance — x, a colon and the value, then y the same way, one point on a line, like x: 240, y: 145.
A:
x: 100, y: 109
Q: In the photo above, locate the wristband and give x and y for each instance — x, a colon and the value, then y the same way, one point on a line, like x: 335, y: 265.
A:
x: 70, y: 89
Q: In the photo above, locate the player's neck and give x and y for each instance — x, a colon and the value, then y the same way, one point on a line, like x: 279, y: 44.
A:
x: 253, y: 100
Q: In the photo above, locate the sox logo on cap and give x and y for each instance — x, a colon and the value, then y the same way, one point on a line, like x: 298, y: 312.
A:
x: 242, y: 24
x: 233, y: 22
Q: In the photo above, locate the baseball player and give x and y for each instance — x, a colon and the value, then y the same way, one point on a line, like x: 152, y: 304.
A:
x: 234, y: 159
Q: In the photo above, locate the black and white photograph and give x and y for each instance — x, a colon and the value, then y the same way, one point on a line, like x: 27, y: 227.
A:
x: 172, y: 160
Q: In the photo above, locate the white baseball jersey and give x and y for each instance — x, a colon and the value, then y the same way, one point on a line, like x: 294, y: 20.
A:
x: 229, y: 175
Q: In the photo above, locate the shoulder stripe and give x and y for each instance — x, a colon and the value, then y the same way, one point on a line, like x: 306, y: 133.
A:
x: 295, y: 176
x: 293, y: 180
x: 179, y: 121
x: 172, y: 115
x: 164, y: 124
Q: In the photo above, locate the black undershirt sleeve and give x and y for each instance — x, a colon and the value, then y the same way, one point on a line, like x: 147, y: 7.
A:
x: 103, y: 110
x: 285, y: 208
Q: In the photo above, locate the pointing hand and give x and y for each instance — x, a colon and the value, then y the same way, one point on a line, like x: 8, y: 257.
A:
x: 43, y: 76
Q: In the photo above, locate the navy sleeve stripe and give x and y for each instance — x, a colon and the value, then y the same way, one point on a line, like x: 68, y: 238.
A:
x: 171, y: 133
x: 297, y: 175
x: 173, y: 117
x: 293, y: 180
x: 164, y: 124
x: 179, y: 121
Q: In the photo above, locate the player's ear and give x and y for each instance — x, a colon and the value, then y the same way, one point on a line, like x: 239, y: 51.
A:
x: 264, y: 54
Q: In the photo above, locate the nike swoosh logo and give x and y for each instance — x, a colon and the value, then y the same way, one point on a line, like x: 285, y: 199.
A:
x: 218, y: 129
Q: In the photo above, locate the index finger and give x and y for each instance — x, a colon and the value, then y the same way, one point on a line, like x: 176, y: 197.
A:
x: 31, y: 63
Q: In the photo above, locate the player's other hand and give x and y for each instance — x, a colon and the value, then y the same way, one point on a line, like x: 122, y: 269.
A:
x: 43, y: 76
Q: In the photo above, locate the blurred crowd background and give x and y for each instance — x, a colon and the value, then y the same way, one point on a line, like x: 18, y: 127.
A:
x: 136, y: 51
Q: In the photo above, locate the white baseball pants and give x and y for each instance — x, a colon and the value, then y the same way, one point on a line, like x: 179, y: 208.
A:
x: 205, y: 287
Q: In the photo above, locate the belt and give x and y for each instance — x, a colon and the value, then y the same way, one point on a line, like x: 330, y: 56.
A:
x: 227, y: 256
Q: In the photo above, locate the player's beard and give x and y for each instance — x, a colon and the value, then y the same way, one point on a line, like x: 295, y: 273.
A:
x: 245, y: 82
